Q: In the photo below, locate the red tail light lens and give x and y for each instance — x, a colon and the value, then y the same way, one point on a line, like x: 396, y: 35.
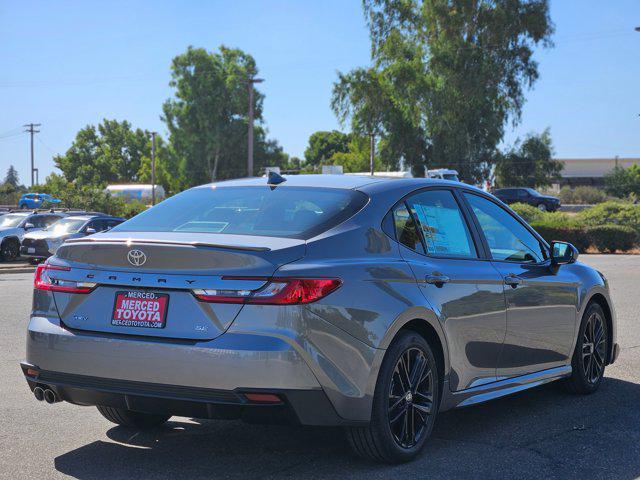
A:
x: 44, y: 281
x: 279, y: 291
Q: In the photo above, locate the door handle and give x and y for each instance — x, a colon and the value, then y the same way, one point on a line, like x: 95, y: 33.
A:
x: 437, y: 280
x: 512, y: 280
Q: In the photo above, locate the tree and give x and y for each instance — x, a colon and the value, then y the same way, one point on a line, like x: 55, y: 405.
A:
x: 622, y: 182
x: 453, y: 73
x: 207, y: 117
x: 528, y: 164
x: 112, y: 152
x: 12, y: 177
x: 323, y: 145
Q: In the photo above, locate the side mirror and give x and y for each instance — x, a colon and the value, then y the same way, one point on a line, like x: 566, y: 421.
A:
x: 29, y: 226
x: 90, y: 231
x: 563, y: 253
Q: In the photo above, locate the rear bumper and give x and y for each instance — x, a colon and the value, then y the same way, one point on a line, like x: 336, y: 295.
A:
x: 305, y: 407
x: 203, y: 379
x: 38, y: 253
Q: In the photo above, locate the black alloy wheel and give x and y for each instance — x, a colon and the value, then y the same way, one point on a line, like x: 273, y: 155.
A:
x: 590, y: 356
x: 405, y: 403
x: 594, y: 348
x: 410, y: 397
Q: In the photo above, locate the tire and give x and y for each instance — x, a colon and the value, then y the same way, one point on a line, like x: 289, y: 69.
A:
x: 9, y: 250
x: 590, y: 355
x: 542, y: 207
x: 23, y: 206
x: 383, y: 439
x: 129, y: 418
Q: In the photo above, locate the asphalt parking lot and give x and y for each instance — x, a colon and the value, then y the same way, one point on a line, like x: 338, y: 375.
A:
x: 542, y: 433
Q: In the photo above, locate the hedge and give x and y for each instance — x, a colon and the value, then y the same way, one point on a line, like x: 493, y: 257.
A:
x: 567, y: 233
x: 611, y: 213
x: 612, y: 238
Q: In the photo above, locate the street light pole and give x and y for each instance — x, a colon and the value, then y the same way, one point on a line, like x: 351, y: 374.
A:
x: 251, y: 81
x: 153, y: 167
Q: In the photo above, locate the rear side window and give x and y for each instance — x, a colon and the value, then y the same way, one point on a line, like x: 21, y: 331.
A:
x: 442, y: 224
x: 294, y: 212
x: 406, y: 230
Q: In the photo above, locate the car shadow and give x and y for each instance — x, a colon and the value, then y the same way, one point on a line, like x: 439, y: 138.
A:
x: 543, y: 432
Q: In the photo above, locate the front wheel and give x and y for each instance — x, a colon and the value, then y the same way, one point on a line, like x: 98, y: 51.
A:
x: 542, y: 207
x: 9, y: 250
x: 590, y: 355
x: 129, y: 418
x: 405, y: 403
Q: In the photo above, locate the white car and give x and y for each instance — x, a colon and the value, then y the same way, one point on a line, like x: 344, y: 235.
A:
x: 14, y: 226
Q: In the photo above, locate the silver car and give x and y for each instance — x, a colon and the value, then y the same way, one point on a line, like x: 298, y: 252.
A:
x: 361, y: 302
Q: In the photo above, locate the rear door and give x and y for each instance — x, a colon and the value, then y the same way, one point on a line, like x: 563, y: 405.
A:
x: 463, y: 289
x: 541, y: 301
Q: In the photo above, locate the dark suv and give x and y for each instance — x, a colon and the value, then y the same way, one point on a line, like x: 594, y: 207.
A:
x: 529, y: 196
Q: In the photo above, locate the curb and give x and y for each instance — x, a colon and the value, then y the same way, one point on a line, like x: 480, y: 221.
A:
x: 18, y: 269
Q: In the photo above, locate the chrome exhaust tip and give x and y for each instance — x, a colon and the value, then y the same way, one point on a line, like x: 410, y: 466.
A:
x: 50, y: 396
x: 38, y: 392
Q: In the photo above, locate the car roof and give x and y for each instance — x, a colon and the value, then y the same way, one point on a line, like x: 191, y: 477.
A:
x: 332, y: 181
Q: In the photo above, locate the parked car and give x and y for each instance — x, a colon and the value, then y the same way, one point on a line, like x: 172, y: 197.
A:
x: 368, y: 303
x: 14, y: 226
x: 42, y: 244
x: 30, y: 201
x: 529, y: 196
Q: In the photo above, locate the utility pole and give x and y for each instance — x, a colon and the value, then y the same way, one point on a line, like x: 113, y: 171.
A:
x: 250, y: 133
x: 31, y: 128
x: 153, y: 167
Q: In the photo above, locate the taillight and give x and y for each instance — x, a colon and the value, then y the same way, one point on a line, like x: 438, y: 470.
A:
x: 279, y: 291
x: 46, y: 281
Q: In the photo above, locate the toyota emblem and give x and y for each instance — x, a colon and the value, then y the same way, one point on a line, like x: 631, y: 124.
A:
x: 137, y: 258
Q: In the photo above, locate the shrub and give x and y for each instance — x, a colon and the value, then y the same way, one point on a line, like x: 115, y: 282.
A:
x: 611, y: 238
x: 570, y: 232
x: 582, y: 195
x: 612, y: 213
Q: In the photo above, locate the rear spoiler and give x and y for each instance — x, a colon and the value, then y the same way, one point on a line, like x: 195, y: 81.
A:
x: 130, y: 241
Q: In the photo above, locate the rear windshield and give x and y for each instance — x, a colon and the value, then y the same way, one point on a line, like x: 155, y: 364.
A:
x: 294, y: 212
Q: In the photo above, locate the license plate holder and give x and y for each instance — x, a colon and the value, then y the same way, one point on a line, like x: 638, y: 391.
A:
x: 140, y: 309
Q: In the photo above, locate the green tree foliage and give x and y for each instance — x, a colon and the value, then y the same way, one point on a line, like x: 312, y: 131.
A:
x: 623, y: 182
x: 447, y: 75
x: 207, y: 117
x: 11, y: 179
x: 325, y: 144
x: 88, y: 197
x: 357, y: 158
x: 112, y: 152
x: 528, y: 164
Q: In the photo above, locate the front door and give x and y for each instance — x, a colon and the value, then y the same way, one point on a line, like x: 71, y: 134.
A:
x: 541, y: 301
x: 464, y: 291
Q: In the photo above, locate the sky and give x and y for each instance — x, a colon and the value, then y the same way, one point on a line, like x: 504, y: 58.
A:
x: 67, y: 64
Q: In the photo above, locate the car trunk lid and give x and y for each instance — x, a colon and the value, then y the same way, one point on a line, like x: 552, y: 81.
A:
x: 175, y: 266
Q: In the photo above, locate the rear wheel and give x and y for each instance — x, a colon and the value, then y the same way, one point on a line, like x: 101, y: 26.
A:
x: 405, y: 403
x: 590, y: 354
x: 129, y: 418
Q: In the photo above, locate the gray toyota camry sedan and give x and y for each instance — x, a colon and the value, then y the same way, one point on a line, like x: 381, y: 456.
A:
x: 361, y: 302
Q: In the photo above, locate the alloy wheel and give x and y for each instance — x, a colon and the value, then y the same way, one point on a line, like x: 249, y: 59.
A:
x: 410, y: 397
x: 594, y: 349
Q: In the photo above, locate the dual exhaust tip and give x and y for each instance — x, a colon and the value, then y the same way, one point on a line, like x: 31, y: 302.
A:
x: 45, y: 394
